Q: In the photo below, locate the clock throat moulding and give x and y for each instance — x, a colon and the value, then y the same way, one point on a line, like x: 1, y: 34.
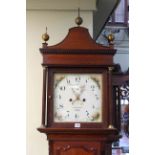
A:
x: 77, y: 110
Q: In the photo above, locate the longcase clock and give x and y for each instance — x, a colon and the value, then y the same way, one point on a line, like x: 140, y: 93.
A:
x: 77, y: 111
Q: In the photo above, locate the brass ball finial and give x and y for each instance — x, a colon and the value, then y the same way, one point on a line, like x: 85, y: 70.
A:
x: 111, y: 126
x: 110, y: 38
x: 78, y: 20
x: 45, y: 36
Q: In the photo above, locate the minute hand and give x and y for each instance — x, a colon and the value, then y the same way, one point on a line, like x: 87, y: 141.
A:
x: 78, y: 91
x: 77, y: 95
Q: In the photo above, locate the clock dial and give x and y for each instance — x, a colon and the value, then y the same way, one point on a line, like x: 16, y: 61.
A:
x: 77, y: 97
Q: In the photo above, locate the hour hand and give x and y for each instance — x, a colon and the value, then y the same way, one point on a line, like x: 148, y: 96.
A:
x: 74, y: 92
x: 78, y: 90
x: 77, y: 98
x: 82, y: 88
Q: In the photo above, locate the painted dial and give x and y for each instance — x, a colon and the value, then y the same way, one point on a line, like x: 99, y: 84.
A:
x: 77, y: 97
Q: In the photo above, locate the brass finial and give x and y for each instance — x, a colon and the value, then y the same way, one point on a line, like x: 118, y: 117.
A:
x: 78, y: 20
x: 110, y: 38
x: 45, y: 36
x: 110, y: 127
x: 110, y: 68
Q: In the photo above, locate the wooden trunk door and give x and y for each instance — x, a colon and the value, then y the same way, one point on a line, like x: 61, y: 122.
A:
x: 76, y: 148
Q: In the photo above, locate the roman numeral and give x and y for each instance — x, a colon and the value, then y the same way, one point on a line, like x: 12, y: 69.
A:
x: 59, y: 96
x: 62, y: 88
x: 87, y: 113
x: 92, y: 87
x: 61, y: 106
x: 67, y: 113
x: 76, y: 116
x: 77, y: 79
x: 68, y: 81
x: 97, y: 98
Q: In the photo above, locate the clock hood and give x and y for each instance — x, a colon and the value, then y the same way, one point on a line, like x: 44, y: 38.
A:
x: 77, y: 39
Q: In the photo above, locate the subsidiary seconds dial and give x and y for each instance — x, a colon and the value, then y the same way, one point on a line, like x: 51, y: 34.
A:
x: 77, y: 97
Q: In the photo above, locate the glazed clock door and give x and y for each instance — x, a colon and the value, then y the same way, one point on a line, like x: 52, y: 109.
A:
x: 77, y: 97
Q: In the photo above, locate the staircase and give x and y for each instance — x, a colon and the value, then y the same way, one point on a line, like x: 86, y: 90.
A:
x: 100, y: 17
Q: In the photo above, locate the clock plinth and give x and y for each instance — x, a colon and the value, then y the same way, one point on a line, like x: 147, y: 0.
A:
x: 77, y: 96
x: 89, y: 141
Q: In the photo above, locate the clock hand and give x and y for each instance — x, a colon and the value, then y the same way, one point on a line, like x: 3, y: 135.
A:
x: 77, y: 95
x: 82, y: 89
x: 74, y: 92
x: 76, y: 99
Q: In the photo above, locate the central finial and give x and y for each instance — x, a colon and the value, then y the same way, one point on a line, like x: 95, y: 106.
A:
x: 78, y: 20
x: 45, y: 36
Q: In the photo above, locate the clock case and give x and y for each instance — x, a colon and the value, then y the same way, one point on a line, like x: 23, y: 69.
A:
x: 78, y: 53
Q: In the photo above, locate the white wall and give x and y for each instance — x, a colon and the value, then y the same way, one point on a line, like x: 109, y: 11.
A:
x: 58, y: 23
x: 123, y: 60
x: 61, y: 4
